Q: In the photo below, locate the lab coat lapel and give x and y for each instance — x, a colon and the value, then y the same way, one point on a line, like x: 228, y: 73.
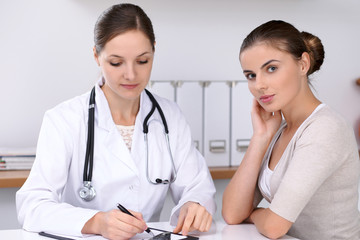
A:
x: 113, y: 140
x: 138, y: 144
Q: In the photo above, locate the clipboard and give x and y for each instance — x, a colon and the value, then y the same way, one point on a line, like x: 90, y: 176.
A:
x: 159, y: 235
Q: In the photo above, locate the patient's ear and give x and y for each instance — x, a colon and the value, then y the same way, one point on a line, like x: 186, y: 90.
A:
x: 305, y: 63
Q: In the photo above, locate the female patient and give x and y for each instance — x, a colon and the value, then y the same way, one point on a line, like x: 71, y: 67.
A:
x: 306, y: 165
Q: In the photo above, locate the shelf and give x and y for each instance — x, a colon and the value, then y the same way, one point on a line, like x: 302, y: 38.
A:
x: 13, y: 178
x: 16, y: 178
x: 222, y: 172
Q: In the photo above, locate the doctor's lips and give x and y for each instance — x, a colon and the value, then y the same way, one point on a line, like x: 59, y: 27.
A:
x: 266, y: 98
x: 129, y: 86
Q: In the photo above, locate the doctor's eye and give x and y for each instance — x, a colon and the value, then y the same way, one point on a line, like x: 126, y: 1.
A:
x: 143, y: 61
x: 115, y: 64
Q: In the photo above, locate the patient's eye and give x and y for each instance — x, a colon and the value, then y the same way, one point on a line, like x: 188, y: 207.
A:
x: 272, y: 69
x: 250, y: 76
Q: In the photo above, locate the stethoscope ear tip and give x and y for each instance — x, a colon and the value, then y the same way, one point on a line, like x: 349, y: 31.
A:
x: 158, y: 180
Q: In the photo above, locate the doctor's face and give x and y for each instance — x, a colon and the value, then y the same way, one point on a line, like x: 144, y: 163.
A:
x: 126, y: 63
x: 275, y: 77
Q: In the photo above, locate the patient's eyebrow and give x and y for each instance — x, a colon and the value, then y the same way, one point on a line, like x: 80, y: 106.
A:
x: 268, y: 62
x: 262, y: 66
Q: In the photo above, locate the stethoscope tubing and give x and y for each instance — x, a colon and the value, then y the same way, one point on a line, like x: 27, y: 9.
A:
x: 89, y: 155
x: 163, y: 119
x: 174, y: 174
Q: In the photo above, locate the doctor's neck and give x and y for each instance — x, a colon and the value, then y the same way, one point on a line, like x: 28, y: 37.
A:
x: 123, y: 110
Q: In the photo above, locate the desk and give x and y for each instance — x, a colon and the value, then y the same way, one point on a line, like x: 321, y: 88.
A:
x: 218, y: 231
x: 16, y: 178
x: 13, y: 178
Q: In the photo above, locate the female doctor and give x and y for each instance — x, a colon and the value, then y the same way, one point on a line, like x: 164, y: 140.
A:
x: 80, y: 175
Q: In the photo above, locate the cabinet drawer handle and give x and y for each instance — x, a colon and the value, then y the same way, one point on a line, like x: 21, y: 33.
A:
x: 217, y: 146
x: 196, y: 144
x: 242, y: 144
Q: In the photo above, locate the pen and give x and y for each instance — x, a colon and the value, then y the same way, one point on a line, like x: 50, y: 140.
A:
x: 124, y: 210
x: 54, y: 236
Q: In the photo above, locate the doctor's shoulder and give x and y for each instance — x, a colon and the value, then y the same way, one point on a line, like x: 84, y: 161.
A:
x: 173, y: 114
x: 170, y: 108
x: 70, y: 112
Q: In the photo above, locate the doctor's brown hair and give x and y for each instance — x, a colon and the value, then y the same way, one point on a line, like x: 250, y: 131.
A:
x: 119, y: 19
x: 286, y: 37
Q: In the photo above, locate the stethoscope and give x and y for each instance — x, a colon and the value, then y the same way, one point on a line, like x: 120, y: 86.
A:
x: 87, y: 191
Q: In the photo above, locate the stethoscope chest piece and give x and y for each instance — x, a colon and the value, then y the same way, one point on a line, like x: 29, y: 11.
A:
x: 87, y: 192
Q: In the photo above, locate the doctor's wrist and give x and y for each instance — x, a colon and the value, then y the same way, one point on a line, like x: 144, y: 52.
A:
x: 92, y: 226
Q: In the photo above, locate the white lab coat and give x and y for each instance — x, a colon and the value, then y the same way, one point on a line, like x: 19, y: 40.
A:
x: 49, y: 199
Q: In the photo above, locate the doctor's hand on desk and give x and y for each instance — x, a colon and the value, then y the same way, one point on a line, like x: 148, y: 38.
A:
x: 193, y: 217
x: 115, y: 224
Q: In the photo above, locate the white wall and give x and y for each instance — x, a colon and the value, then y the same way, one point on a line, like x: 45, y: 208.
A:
x: 46, y: 54
x: 46, y: 49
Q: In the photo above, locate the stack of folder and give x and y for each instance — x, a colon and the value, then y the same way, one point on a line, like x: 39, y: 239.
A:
x: 16, y: 158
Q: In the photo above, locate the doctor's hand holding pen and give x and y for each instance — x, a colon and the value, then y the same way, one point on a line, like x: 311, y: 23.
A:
x: 116, y: 224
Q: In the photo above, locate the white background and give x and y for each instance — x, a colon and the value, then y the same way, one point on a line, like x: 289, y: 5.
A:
x: 46, y: 50
x: 46, y: 54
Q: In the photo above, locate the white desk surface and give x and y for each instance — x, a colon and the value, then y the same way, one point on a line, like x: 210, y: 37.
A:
x: 219, y: 231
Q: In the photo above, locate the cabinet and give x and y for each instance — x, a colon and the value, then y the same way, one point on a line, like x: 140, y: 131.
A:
x: 241, y: 127
x: 189, y: 97
x: 217, y: 124
x: 218, y: 113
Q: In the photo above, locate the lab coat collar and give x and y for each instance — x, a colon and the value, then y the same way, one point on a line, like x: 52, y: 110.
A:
x: 145, y: 107
x: 102, y: 109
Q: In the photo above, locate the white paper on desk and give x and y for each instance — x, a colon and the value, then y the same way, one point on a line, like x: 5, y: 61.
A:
x: 144, y: 236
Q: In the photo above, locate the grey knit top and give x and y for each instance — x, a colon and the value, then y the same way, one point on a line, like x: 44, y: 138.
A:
x: 315, y: 184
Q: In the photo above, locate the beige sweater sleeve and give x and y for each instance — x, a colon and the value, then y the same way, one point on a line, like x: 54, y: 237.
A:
x: 320, y: 147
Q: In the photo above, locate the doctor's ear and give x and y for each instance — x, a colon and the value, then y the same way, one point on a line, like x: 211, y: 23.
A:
x: 96, y: 56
